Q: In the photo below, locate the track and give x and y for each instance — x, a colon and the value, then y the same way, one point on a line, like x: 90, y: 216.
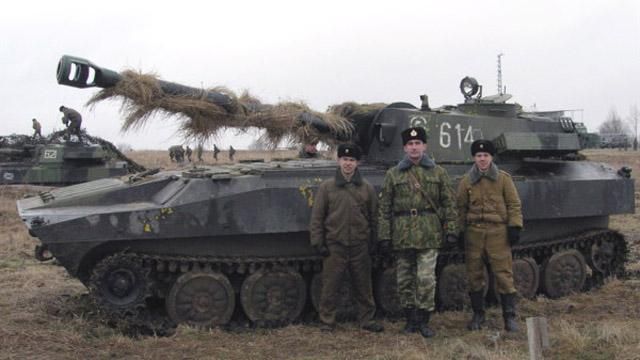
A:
x: 207, y: 291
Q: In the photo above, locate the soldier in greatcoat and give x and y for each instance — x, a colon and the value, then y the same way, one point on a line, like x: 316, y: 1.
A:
x: 417, y: 210
x: 342, y: 230
x: 490, y: 218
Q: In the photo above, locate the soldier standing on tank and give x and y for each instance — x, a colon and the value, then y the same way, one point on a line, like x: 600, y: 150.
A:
x: 189, y: 152
x: 417, y: 209
x: 37, y: 128
x: 232, y: 152
x: 490, y: 216
x: 216, y: 151
x: 72, y: 119
x: 342, y: 229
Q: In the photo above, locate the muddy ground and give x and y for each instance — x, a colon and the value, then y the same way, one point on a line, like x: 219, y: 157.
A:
x: 45, y: 314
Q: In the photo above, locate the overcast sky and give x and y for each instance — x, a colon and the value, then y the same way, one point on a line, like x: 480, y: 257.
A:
x: 557, y: 55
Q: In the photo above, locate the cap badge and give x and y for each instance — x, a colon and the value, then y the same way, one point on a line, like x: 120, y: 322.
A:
x: 414, y: 133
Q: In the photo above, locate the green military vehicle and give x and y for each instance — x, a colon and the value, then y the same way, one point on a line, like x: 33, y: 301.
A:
x: 55, y: 161
x: 217, y: 244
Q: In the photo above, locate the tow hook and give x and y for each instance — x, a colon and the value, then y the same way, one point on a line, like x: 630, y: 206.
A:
x: 42, y: 253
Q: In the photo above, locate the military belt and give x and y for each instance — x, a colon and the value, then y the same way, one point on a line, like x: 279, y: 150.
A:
x: 413, y: 212
x: 483, y: 224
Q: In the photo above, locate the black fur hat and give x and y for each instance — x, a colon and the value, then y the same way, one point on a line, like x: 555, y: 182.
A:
x: 350, y: 150
x: 482, y: 146
x: 414, y: 133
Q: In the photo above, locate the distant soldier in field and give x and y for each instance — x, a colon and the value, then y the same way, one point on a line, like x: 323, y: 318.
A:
x: 72, y: 120
x: 176, y: 153
x: 232, y: 152
x: 490, y: 215
x: 309, y: 151
x: 216, y: 151
x: 199, y: 150
x: 37, y: 128
x: 189, y: 152
x: 417, y: 210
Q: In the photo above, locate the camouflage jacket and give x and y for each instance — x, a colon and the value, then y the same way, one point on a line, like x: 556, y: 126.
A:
x: 343, y: 212
x: 488, y: 197
x: 409, y: 219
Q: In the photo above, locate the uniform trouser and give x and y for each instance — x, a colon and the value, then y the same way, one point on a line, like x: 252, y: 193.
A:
x: 416, y: 275
x: 74, y: 129
x: 490, y: 240
x: 355, y: 262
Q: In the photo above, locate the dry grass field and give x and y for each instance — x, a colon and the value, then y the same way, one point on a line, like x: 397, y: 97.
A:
x: 45, y: 314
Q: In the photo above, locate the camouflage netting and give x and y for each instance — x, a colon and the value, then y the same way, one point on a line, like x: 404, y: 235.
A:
x: 201, y: 120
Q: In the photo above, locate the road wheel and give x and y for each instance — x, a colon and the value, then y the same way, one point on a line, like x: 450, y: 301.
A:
x: 564, y: 273
x: 201, y: 299
x: 273, y: 297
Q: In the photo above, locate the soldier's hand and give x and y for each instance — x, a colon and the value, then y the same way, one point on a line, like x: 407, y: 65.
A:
x: 323, y: 250
x: 385, y: 247
x: 513, y: 234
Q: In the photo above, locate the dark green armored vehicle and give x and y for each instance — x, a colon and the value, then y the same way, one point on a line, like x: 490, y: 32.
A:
x: 55, y: 161
x: 213, y: 244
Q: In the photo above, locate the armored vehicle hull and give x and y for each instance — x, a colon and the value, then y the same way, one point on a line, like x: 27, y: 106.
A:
x: 216, y: 243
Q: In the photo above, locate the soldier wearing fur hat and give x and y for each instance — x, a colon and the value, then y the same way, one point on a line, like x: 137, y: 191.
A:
x: 417, y: 210
x: 490, y: 218
x: 343, y: 220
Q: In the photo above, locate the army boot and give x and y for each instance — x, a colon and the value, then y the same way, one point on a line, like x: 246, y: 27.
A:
x: 477, y: 305
x: 422, y: 323
x: 509, y: 311
x: 410, y: 315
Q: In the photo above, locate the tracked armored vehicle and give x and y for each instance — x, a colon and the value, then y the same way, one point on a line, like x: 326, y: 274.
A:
x: 56, y: 161
x: 212, y: 244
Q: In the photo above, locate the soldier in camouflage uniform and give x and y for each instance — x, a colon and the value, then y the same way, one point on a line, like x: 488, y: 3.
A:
x: 490, y: 218
x: 343, y: 222
x: 417, y: 209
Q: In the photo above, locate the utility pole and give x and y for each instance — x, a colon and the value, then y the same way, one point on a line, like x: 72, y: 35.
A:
x: 500, y: 90
x: 633, y: 119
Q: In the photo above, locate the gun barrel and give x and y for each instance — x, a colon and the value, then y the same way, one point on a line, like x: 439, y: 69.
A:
x: 82, y: 73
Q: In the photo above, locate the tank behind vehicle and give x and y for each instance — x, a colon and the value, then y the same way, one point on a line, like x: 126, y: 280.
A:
x: 212, y: 243
x: 56, y: 161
